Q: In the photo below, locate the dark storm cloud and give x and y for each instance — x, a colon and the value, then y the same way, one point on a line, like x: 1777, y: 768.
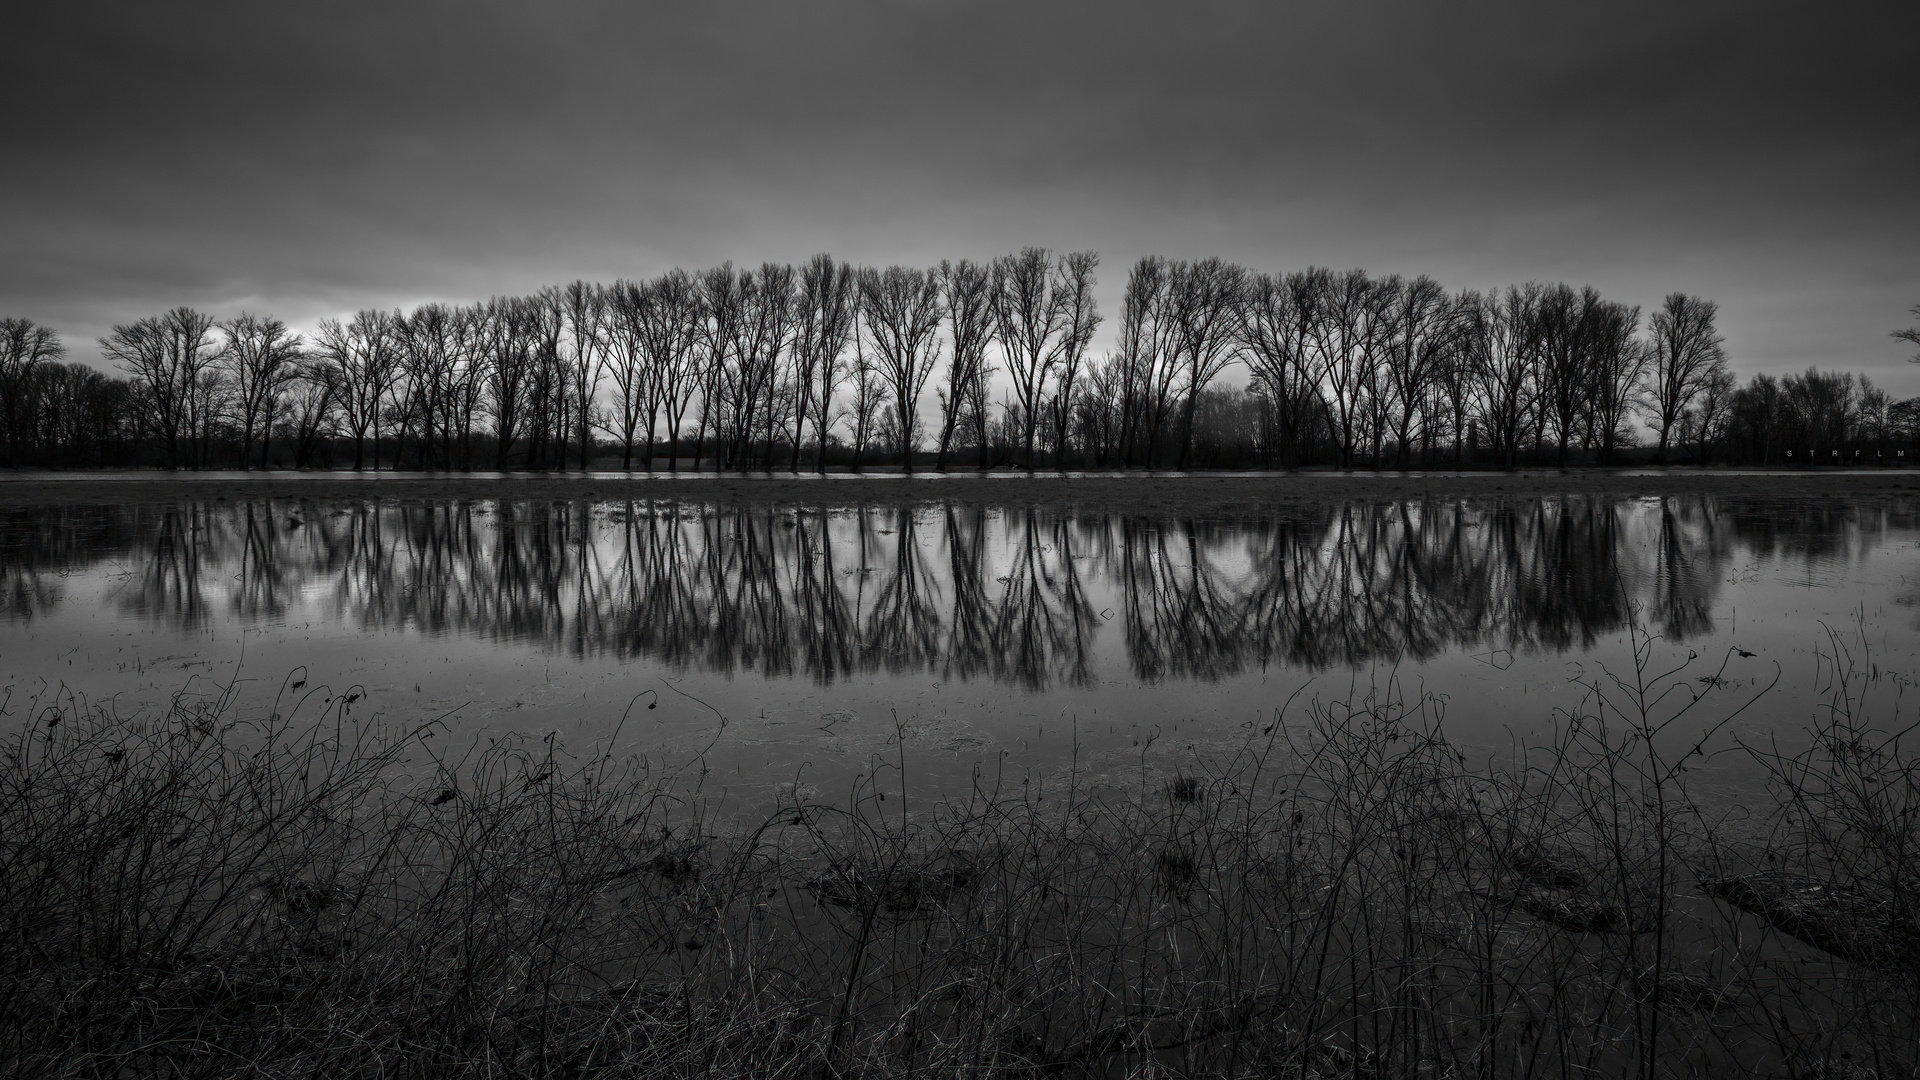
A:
x: 306, y: 160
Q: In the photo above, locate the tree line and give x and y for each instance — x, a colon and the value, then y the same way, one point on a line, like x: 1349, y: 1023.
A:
x: 969, y: 364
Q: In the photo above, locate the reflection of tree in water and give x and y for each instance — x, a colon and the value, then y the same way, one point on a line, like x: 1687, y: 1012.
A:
x: 903, y: 627
x: 1686, y: 576
x: 264, y: 581
x: 40, y: 547
x: 1361, y: 583
x: 1043, y: 624
x: 1571, y: 588
x: 1182, y: 620
x: 1809, y: 531
x: 652, y: 606
x: 749, y: 622
x: 959, y: 591
x: 166, y: 580
x: 972, y: 646
x: 826, y: 617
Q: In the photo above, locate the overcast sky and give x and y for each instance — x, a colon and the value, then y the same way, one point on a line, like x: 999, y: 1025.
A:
x: 308, y: 160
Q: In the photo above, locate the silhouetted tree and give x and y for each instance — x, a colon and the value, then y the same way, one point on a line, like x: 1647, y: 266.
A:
x: 1202, y: 297
x: 1563, y: 351
x: 313, y: 401
x: 168, y: 357
x: 1147, y: 368
x: 629, y: 368
x: 1275, y: 325
x: 1425, y: 330
x: 586, y: 319
x: 1753, y: 420
x: 1080, y: 318
x: 1911, y: 335
x: 548, y: 400
x: 1619, y: 360
x: 1348, y: 340
x: 900, y: 309
x: 1820, y: 407
x: 261, y: 357
x: 432, y: 349
x: 1687, y: 354
x: 674, y: 345
x: 1041, y: 314
x: 967, y: 294
x: 1716, y: 395
x: 756, y: 317
x: 78, y: 415
x: 1504, y: 351
x: 24, y: 347
x: 365, y: 361
x: 510, y: 332
x: 823, y: 322
x: 869, y: 396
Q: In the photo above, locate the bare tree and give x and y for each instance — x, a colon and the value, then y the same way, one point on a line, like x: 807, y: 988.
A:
x: 674, y: 327
x: 549, y: 402
x: 1028, y: 319
x: 766, y: 338
x: 1871, y: 418
x: 1687, y: 354
x: 1911, y: 335
x: 1073, y: 286
x: 431, y: 346
x: 75, y: 414
x: 261, y: 357
x: 586, y: 317
x: 363, y: 354
x: 312, y: 401
x: 627, y: 365
x: 654, y: 330
x: 24, y: 346
x: 1563, y: 381
x: 748, y: 323
x: 206, y: 409
x: 472, y: 373
x: 1339, y: 347
x: 721, y: 312
x: 1618, y: 363
x: 967, y: 294
x: 1424, y: 330
x: 1203, y: 296
x: 1505, y: 346
x: 1716, y: 394
x: 1275, y: 325
x: 1147, y: 367
x: 823, y: 323
x: 977, y: 415
x: 509, y: 340
x: 1097, y: 408
x: 869, y: 395
x: 901, y: 311
x: 167, y: 356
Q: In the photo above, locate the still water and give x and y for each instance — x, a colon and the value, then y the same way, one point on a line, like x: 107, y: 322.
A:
x: 803, y: 644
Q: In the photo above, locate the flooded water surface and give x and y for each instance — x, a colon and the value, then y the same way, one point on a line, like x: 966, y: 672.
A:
x: 805, y: 643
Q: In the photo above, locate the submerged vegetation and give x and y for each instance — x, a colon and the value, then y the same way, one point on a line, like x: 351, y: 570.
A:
x: 1348, y: 894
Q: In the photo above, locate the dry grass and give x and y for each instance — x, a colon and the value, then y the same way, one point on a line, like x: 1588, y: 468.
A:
x: 312, y: 895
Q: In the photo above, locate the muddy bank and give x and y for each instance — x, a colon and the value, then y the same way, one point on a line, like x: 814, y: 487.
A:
x: 1212, y: 493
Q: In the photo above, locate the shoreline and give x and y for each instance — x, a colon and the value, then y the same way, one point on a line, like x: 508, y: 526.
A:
x: 1088, y: 491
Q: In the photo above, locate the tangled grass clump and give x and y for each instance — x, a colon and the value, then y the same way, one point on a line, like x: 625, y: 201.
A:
x: 326, y: 896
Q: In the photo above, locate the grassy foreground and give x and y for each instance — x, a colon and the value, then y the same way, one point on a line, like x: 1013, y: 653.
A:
x: 319, y: 896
